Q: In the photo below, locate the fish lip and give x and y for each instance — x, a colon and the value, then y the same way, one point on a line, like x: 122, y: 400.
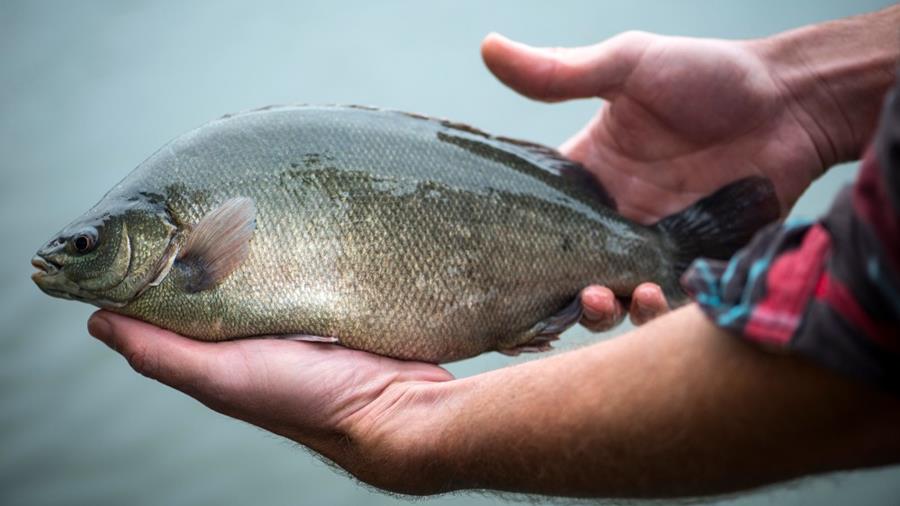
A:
x: 50, y: 279
x: 44, y: 267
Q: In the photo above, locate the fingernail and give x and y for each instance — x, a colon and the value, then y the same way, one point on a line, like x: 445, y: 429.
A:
x: 649, y: 291
x: 641, y: 312
x: 600, y: 309
x: 99, y: 327
x: 591, y: 300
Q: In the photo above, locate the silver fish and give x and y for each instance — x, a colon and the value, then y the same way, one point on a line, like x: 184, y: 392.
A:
x: 389, y: 232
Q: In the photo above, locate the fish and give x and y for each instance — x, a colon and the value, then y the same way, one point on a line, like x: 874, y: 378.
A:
x: 395, y: 233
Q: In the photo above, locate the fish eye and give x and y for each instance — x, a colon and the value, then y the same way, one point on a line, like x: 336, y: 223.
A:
x: 83, y: 242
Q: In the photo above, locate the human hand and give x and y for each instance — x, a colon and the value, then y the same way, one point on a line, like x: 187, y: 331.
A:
x: 339, y: 402
x: 683, y: 118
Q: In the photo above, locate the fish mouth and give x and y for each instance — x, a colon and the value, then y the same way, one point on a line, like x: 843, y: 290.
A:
x: 51, y: 280
x: 44, y: 267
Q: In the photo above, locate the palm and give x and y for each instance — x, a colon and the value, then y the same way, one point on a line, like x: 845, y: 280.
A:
x: 295, y: 388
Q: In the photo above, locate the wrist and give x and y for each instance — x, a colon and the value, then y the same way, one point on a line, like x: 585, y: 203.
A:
x: 833, y: 77
x: 396, y: 442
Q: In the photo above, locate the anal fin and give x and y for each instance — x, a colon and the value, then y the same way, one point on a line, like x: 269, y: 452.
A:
x: 539, y: 337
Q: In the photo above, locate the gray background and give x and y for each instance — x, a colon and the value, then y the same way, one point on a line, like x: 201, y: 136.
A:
x: 88, y: 90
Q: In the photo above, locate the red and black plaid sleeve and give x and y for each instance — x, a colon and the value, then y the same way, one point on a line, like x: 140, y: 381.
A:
x: 830, y: 289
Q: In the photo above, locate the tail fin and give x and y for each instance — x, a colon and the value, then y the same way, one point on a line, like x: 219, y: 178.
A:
x: 720, y: 224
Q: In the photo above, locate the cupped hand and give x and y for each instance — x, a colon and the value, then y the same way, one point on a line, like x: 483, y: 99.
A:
x: 682, y: 118
x: 332, y: 399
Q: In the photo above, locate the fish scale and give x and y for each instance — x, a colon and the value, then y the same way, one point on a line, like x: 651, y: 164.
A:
x: 394, y: 233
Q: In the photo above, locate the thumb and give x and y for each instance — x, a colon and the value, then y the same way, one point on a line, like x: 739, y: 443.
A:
x: 156, y: 353
x: 555, y: 74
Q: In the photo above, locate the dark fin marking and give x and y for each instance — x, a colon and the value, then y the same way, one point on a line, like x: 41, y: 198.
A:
x: 569, y: 169
x: 546, y: 331
x: 309, y: 338
x: 582, y: 178
x: 217, y: 245
x: 718, y: 225
x: 543, y: 163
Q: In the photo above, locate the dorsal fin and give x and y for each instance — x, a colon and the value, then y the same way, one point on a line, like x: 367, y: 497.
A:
x: 218, y: 244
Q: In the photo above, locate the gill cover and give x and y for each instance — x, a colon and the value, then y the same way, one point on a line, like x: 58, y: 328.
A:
x: 118, y: 266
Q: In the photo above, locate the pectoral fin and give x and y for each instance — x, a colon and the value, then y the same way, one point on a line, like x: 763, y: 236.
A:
x: 217, y: 245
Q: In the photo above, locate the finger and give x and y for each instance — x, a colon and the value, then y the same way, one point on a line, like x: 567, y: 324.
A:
x: 647, y: 302
x: 602, y: 310
x: 156, y: 353
x: 554, y: 74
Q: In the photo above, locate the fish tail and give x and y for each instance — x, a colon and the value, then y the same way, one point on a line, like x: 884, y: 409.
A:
x: 717, y: 226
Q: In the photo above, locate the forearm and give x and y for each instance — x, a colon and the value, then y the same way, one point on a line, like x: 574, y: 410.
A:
x: 835, y: 76
x: 674, y: 408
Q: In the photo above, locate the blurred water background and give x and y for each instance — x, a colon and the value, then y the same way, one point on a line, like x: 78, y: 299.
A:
x: 89, y: 89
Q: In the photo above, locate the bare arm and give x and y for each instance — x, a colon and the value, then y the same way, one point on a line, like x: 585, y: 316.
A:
x: 675, y: 408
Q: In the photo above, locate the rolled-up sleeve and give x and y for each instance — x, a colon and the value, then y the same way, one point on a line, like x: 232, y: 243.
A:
x: 828, y: 289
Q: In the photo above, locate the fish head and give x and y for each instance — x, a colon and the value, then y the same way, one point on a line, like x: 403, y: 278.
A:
x: 108, y: 256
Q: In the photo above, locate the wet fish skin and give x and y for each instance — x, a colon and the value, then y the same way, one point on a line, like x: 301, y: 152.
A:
x: 397, y: 234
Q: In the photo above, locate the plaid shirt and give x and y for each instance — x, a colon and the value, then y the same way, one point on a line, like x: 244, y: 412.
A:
x: 829, y: 289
